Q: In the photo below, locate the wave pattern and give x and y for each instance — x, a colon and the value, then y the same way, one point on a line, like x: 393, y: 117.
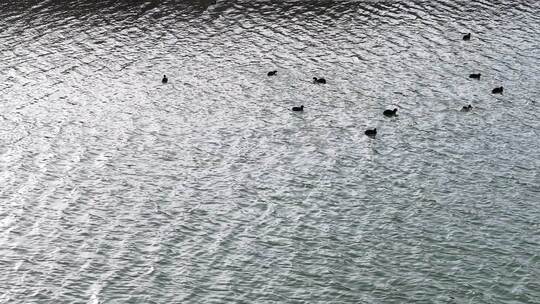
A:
x: 118, y: 189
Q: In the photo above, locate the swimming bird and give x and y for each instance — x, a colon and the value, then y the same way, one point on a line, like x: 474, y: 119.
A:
x: 298, y: 109
x: 466, y: 108
x: 467, y: 37
x: 272, y: 73
x: 498, y: 90
x: 390, y: 113
x: 319, y: 80
x: 371, y: 133
x: 475, y: 76
x: 164, y: 80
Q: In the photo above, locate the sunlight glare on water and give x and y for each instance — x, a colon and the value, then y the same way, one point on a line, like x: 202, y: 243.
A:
x: 116, y: 188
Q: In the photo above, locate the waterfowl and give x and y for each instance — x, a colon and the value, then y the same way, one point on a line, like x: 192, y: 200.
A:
x: 475, y: 76
x: 466, y: 108
x: 319, y: 80
x: 298, y: 109
x: 164, y: 80
x: 272, y: 73
x: 390, y: 113
x: 371, y: 133
x: 498, y: 90
x: 467, y: 37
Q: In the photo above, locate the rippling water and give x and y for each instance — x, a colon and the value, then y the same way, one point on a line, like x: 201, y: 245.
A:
x: 118, y: 189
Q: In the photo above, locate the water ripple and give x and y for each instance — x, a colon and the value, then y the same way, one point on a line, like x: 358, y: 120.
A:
x: 116, y: 188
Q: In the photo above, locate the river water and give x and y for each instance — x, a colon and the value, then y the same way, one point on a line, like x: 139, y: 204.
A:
x: 116, y: 188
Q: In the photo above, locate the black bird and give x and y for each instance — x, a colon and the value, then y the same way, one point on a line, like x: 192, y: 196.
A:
x: 466, y: 108
x: 272, y: 73
x: 498, y: 90
x: 475, y: 76
x: 467, y: 37
x: 371, y: 133
x: 390, y: 113
x: 164, y: 80
x: 319, y: 80
x: 298, y: 109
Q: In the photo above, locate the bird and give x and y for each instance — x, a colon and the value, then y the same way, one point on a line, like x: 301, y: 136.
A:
x: 319, y: 80
x: 371, y: 133
x: 498, y: 90
x: 475, y: 76
x: 467, y: 37
x: 390, y: 113
x: 298, y: 109
x: 466, y: 108
x: 272, y: 73
x: 164, y: 80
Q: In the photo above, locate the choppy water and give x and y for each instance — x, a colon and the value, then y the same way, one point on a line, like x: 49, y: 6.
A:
x: 118, y: 189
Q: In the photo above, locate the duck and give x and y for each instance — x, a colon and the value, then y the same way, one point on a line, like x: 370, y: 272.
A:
x: 498, y: 90
x: 319, y: 80
x: 467, y: 37
x: 475, y: 76
x: 466, y: 108
x: 298, y: 109
x: 272, y: 73
x: 390, y: 113
x: 165, y: 79
x: 371, y: 133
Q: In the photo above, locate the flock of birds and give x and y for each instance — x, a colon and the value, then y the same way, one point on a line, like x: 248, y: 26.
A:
x: 388, y: 113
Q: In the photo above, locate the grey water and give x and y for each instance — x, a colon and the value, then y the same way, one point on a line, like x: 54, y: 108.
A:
x: 116, y: 188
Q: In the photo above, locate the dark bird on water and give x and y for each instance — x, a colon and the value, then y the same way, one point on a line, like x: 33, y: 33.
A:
x: 164, y: 80
x: 272, y: 73
x: 467, y: 37
x: 319, y: 80
x: 475, y: 76
x: 466, y: 108
x: 498, y: 90
x: 298, y: 109
x: 371, y: 133
x: 390, y: 113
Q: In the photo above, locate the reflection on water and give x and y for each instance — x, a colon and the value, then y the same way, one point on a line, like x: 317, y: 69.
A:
x: 117, y: 188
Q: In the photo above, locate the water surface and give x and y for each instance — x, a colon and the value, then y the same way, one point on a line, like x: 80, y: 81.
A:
x: 116, y: 188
